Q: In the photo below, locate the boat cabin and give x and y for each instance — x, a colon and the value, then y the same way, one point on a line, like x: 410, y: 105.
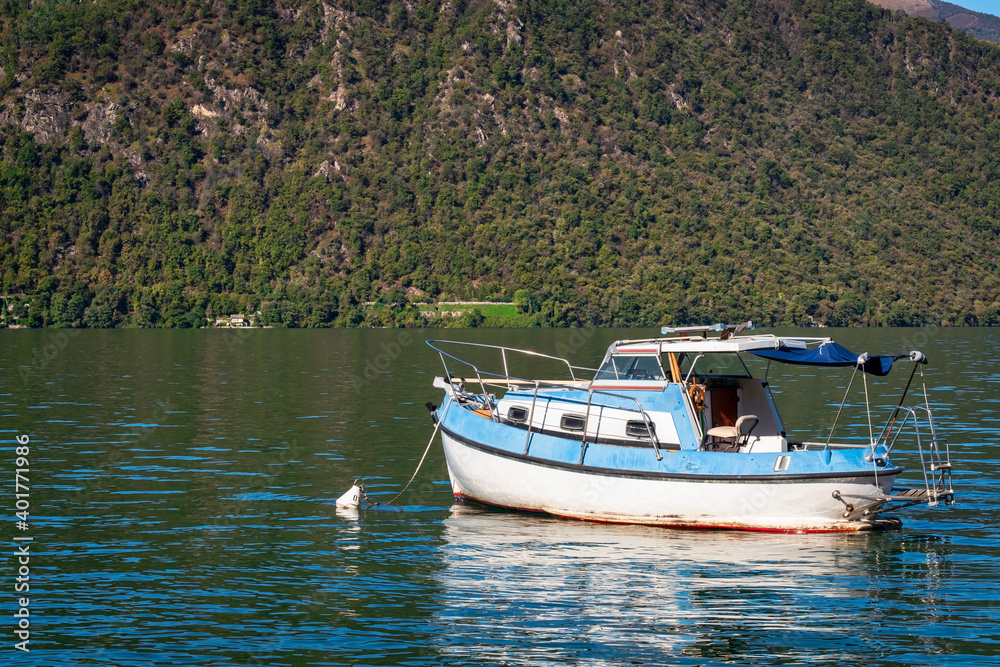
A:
x: 732, y: 410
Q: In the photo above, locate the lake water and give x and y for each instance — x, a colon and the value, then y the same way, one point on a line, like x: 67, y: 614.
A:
x: 182, y: 512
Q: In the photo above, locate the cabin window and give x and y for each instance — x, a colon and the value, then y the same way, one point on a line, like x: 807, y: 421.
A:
x: 572, y: 422
x: 517, y: 414
x: 714, y: 365
x: 632, y: 367
x: 637, y: 429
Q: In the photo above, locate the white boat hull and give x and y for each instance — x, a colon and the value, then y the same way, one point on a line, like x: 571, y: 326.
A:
x: 799, y: 505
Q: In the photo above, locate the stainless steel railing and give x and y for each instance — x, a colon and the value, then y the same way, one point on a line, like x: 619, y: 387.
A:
x: 935, y: 464
x: 512, y: 381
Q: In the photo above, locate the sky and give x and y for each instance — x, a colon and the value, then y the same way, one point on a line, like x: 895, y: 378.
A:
x: 984, y: 6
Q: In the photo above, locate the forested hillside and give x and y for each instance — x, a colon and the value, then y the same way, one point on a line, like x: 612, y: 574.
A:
x: 608, y: 162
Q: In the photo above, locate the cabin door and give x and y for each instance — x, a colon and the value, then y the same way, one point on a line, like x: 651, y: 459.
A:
x: 725, y: 403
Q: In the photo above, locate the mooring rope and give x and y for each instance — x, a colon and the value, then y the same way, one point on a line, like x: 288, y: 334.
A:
x: 437, y: 426
x: 429, y: 443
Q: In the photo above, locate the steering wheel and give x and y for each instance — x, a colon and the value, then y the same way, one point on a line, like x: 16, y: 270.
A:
x: 697, y: 393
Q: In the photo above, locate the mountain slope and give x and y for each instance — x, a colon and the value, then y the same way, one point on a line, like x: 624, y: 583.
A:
x: 617, y: 162
x: 977, y: 24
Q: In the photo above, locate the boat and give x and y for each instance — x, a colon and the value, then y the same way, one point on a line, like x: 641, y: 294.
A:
x: 676, y: 431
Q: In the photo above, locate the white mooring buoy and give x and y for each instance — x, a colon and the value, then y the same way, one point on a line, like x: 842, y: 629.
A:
x: 352, y: 499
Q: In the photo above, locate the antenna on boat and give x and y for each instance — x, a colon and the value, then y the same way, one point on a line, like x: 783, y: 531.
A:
x: 726, y: 330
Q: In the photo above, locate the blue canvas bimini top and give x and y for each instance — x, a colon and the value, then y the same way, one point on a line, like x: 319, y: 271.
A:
x: 831, y: 354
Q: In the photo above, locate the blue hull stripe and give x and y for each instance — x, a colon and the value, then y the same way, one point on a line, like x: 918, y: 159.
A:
x: 861, y: 475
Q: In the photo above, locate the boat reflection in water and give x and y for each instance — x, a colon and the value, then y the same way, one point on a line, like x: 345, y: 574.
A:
x: 527, y: 589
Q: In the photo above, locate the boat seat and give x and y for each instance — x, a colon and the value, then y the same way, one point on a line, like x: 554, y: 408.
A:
x: 738, y: 434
